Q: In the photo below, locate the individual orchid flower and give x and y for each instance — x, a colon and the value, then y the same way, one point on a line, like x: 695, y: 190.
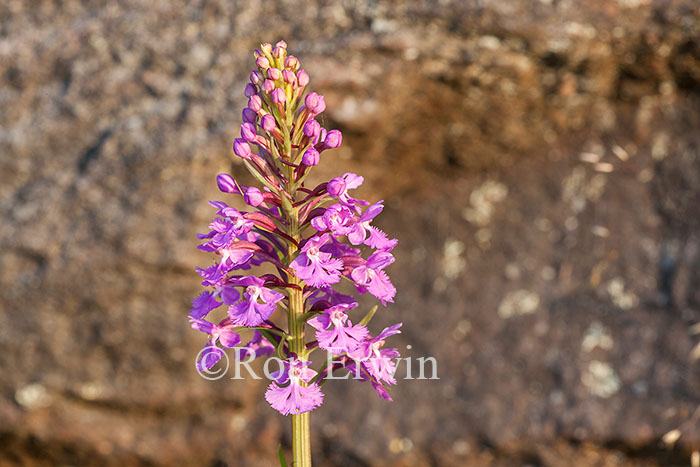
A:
x: 339, y: 186
x: 316, y: 267
x: 372, y: 278
x: 257, y: 304
x: 375, y: 361
x: 296, y: 397
x: 335, y: 332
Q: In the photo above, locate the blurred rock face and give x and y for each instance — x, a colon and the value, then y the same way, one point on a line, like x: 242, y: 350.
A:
x: 539, y: 162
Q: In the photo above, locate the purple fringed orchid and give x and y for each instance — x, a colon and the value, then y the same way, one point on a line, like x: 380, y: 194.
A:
x: 257, y: 305
x: 207, y: 300
x: 297, y: 396
x: 208, y: 357
x: 318, y: 268
x: 310, y: 238
x: 371, y: 277
x: 335, y: 219
x: 203, y: 304
x: 223, y: 333
x: 335, y: 333
x: 339, y: 186
x: 375, y: 363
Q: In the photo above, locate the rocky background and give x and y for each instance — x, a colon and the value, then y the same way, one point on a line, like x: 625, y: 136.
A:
x: 540, y: 162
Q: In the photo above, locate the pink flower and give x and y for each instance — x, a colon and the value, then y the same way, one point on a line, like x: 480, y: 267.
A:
x: 316, y: 267
x: 295, y: 397
x: 335, y: 332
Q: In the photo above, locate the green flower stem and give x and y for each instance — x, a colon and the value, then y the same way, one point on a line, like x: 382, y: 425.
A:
x: 301, y: 439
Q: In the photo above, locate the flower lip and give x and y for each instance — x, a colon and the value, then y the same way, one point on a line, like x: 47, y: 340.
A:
x: 295, y: 372
x: 337, y: 317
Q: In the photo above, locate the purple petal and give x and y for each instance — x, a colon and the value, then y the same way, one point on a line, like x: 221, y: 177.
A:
x: 294, y: 399
x: 203, y: 304
x: 379, y: 240
x: 202, y: 325
x: 209, y: 356
x: 390, y: 331
x: 320, y: 322
x: 228, y: 337
x: 380, y: 260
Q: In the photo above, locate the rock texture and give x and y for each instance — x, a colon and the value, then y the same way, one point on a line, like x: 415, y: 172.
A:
x: 540, y: 164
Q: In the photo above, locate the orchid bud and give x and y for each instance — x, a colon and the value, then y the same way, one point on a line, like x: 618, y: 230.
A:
x: 321, y: 105
x: 268, y: 122
x: 226, y: 184
x: 241, y: 148
x: 336, y: 186
x: 289, y: 76
x: 310, y: 157
x: 315, y: 103
x: 311, y: 101
x: 274, y: 74
x: 278, y: 96
x: 266, y: 47
x: 262, y: 63
x: 302, y: 78
x: 291, y: 62
x: 281, y: 44
x: 250, y: 90
x: 333, y: 139
x: 279, y: 52
x: 249, y: 115
x: 248, y: 132
x: 312, y: 128
x: 256, y: 77
x: 255, y: 103
x: 253, y: 197
x: 267, y: 86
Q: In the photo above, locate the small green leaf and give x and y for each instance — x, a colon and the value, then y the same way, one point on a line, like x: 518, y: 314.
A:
x: 369, y: 316
x: 280, y: 347
x: 286, y: 204
x: 283, y: 463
